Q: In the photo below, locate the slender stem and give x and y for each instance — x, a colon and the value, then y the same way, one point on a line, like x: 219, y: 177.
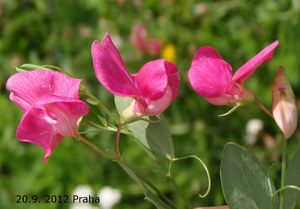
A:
x: 263, y: 107
x: 117, y: 142
x: 283, y: 170
x: 107, y: 128
x: 94, y: 147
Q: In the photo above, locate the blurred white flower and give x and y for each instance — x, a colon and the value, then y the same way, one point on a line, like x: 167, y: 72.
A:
x: 109, y: 197
x: 82, y: 206
x: 83, y: 191
x: 253, y: 127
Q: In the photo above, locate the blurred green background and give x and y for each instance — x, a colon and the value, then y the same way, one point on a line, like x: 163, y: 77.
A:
x: 61, y: 32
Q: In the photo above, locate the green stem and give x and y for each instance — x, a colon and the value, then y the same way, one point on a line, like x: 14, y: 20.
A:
x: 117, y: 142
x: 94, y: 147
x: 263, y: 107
x: 283, y: 170
x: 107, y: 128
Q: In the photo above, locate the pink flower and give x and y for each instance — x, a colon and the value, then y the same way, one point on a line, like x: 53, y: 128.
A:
x: 153, y: 88
x: 211, y: 76
x: 284, y: 107
x: 51, y: 106
x: 143, y: 42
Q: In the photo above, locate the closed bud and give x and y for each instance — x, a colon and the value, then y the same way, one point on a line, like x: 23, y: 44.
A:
x: 284, y: 106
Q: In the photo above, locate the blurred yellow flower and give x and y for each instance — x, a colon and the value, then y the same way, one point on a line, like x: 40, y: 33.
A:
x: 169, y: 53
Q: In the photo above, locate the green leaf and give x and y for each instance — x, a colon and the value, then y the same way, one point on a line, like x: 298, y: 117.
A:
x: 292, y: 178
x: 131, y: 173
x: 244, y: 180
x: 155, y: 200
x: 154, y: 135
x: 158, y: 199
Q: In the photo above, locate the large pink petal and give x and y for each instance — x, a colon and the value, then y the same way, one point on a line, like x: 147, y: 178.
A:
x: 110, y: 69
x: 173, y: 78
x: 67, y: 113
x: 39, y: 128
x: 206, y: 52
x: 209, y: 74
x: 28, y: 87
x: 156, y: 107
x: 152, y: 79
x: 249, y: 67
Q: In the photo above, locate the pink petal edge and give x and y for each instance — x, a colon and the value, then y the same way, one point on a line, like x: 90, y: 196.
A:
x: 110, y: 68
x: 28, y: 87
x: 250, y: 66
x: 38, y: 127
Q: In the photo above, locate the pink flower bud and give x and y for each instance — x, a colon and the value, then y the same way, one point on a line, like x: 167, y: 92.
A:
x: 284, y: 106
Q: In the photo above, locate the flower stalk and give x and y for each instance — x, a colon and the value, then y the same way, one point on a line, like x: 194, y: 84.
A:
x: 283, y: 170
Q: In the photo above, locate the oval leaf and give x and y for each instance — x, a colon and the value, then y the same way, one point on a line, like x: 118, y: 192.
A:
x: 292, y: 178
x: 244, y: 180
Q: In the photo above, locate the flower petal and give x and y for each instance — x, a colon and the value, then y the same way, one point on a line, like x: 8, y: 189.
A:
x: 28, y: 87
x: 152, y: 79
x: 173, y: 78
x: 249, y: 67
x: 207, y: 52
x: 110, y: 69
x: 19, y: 101
x: 209, y: 74
x: 156, y: 107
x: 39, y: 128
x: 67, y: 113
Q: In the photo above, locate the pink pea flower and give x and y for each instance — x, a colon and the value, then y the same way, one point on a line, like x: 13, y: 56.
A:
x: 211, y: 76
x: 153, y: 88
x: 143, y: 42
x: 51, y: 106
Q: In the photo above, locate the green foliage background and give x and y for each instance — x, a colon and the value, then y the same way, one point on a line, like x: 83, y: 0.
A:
x: 61, y: 32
